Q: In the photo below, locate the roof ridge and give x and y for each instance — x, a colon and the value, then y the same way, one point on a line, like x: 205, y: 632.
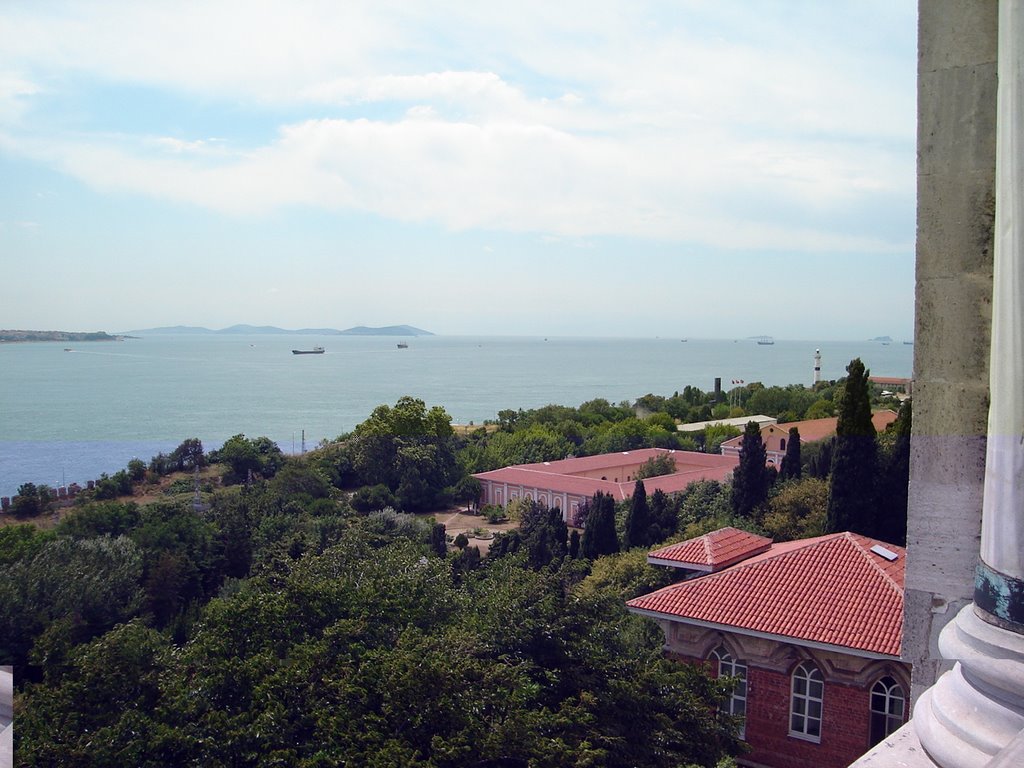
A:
x: 843, y: 604
x: 866, y: 554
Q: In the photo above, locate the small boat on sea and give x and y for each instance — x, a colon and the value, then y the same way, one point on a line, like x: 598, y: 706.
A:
x: 313, y: 351
x: 765, y: 341
x: 402, y: 345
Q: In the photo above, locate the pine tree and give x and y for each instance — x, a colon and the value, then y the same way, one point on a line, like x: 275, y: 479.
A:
x: 791, y: 468
x: 851, y: 498
x: 599, y: 537
x: 749, y: 479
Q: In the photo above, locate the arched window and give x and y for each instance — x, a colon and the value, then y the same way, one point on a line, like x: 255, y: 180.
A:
x: 887, y: 705
x: 805, y: 702
x: 782, y: 443
x: 730, y: 667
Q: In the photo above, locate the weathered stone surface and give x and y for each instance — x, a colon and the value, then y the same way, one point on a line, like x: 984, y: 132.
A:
x: 956, y: 193
x: 954, y: 33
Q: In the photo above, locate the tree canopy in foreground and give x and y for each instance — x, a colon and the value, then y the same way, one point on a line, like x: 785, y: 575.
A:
x: 375, y: 651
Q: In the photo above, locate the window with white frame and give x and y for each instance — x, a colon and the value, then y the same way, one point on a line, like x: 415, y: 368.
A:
x: 887, y: 705
x: 737, y: 702
x: 805, y: 702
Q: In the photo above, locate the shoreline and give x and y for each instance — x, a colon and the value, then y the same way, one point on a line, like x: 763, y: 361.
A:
x: 8, y: 336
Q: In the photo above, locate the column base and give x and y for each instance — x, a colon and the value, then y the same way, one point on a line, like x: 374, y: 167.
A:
x: 974, y: 711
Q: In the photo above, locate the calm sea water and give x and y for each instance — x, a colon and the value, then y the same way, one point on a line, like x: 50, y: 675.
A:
x: 69, y: 416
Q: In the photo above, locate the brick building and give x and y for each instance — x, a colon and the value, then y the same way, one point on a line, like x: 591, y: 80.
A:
x: 811, y: 629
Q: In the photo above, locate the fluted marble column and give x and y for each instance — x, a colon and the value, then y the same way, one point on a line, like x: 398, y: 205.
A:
x: 976, y: 710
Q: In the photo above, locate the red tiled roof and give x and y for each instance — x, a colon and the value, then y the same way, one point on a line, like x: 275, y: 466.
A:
x: 600, y: 461
x: 831, y: 590
x: 813, y: 430
x: 712, y: 551
x: 558, y: 476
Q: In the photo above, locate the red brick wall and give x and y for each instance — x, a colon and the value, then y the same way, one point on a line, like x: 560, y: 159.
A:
x: 844, y: 727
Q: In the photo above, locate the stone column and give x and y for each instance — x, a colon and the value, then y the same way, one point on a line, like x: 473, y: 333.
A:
x: 1000, y: 583
x: 955, y: 207
x: 974, y: 712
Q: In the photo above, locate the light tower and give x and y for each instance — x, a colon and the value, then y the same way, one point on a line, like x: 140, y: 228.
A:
x: 817, y: 366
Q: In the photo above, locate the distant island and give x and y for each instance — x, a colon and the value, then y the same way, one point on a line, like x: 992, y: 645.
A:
x: 10, y: 336
x: 359, y: 330
x: 388, y: 330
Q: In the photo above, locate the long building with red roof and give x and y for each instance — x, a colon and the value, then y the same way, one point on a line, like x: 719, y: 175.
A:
x: 566, y: 483
x: 811, y: 630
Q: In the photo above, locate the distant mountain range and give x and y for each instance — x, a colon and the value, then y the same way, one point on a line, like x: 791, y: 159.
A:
x: 359, y: 330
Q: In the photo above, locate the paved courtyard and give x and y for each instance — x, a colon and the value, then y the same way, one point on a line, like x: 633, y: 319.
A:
x: 458, y: 521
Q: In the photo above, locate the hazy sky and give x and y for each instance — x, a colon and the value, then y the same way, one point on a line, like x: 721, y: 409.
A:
x: 697, y: 169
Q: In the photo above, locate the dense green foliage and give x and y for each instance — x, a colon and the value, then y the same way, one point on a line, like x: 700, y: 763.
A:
x: 408, y: 449
x: 31, y: 500
x: 665, y: 464
x: 797, y: 510
x: 348, y: 641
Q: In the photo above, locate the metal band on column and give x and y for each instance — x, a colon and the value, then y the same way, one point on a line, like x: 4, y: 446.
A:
x: 1000, y: 596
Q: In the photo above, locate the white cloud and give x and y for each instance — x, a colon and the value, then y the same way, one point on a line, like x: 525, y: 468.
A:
x: 263, y: 49
x: 684, y: 121
x: 511, y: 177
x: 179, y: 146
x: 15, y: 93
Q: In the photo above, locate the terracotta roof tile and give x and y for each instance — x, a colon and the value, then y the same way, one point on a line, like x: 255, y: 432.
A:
x: 813, y: 430
x: 558, y: 476
x: 832, y: 589
x: 603, y: 460
x: 714, y: 550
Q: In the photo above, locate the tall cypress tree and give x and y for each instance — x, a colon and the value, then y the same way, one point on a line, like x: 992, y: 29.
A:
x: 851, y: 497
x: 894, y: 480
x: 791, y: 468
x: 749, y: 479
x: 638, y: 521
x: 599, y: 537
x: 664, y: 516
